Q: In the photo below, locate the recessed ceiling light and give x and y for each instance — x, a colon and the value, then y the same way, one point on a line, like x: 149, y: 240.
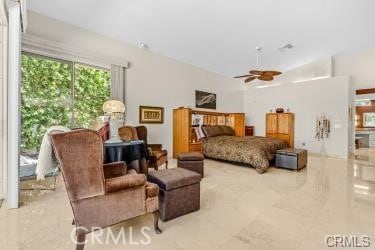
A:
x: 286, y: 47
x: 142, y: 45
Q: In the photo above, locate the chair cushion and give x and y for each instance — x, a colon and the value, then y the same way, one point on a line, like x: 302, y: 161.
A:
x: 169, y: 179
x: 152, y: 190
x: 159, y: 154
x: 132, y: 171
x: 191, y: 156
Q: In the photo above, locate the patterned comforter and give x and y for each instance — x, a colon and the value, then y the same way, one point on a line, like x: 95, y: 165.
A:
x: 254, y: 150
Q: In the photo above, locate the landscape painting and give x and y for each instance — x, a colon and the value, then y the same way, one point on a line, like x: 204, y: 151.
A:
x: 205, y: 100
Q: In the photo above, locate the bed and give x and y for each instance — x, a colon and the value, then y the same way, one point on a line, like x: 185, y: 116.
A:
x: 220, y: 143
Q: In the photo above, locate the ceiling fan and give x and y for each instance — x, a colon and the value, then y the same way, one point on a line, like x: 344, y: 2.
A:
x: 263, y: 75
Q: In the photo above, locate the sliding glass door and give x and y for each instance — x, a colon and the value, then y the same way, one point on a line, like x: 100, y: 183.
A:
x: 56, y: 92
x: 46, y: 94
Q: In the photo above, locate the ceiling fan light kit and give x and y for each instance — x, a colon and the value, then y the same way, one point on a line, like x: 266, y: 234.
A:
x: 263, y: 75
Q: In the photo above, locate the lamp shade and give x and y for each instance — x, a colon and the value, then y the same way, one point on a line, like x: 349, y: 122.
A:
x: 113, y: 106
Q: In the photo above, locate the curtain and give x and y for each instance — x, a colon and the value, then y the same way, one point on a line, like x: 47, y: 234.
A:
x: 118, y: 83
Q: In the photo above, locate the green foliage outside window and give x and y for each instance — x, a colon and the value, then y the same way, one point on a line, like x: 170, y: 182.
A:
x: 46, y: 96
x: 91, y: 90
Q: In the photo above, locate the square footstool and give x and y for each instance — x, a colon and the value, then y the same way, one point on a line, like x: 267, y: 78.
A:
x: 193, y: 161
x: 291, y: 158
x: 179, y: 192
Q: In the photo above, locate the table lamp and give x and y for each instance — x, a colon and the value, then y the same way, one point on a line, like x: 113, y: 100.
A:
x: 116, y: 112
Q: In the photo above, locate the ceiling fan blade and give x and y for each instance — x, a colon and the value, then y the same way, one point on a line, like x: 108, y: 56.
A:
x: 271, y: 72
x: 242, y: 76
x: 265, y: 78
x: 256, y: 72
x: 249, y: 79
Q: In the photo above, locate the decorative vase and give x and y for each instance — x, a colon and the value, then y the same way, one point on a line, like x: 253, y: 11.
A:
x: 279, y: 110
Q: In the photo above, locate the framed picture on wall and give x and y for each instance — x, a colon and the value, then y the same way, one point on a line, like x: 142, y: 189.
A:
x: 205, y: 100
x: 149, y: 114
x: 369, y: 120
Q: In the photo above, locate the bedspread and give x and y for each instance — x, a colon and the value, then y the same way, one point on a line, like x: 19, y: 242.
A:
x: 254, y: 150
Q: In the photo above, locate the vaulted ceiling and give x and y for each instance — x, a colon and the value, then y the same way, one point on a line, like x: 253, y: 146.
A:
x: 221, y: 35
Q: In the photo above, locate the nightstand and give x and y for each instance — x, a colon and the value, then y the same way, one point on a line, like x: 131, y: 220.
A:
x: 195, y: 147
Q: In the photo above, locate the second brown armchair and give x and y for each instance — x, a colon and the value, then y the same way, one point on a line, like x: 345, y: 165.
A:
x: 158, y: 156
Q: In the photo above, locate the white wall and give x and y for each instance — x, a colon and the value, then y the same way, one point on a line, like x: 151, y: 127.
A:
x: 321, y: 68
x: 3, y: 68
x: 307, y: 100
x: 152, y: 80
x: 351, y: 121
x: 13, y: 100
x: 359, y: 66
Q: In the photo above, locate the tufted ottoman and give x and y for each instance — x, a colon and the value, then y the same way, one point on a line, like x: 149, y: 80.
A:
x: 179, y: 191
x: 193, y: 161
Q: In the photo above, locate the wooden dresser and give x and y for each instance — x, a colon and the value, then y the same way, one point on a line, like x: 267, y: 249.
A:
x: 184, y: 137
x: 281, y: 126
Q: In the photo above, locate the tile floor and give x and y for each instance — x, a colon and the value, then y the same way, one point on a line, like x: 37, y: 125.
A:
x: 240, y: 209
x: 365, y: 154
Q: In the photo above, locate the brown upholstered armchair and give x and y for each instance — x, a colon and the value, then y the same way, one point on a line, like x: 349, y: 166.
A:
x: 158, y: 156
x: 128, y: 133
x: 101, y: 195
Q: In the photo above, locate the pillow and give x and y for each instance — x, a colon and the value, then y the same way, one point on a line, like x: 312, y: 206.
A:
x: 217, y: 130
x: 199, y: 133
x: 226, y: 130
x: 202, y: 135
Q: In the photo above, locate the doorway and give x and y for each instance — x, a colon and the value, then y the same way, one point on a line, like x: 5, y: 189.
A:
x: 365, y: 125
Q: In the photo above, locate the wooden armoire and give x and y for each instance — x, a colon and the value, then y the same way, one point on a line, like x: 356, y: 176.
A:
x: 184, y: 137
x: 281, y: 126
